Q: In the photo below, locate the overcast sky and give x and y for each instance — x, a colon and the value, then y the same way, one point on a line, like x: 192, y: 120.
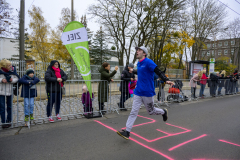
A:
x: 52, y: 10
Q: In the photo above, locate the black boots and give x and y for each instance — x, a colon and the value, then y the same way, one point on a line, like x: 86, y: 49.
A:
x: 165, y: 115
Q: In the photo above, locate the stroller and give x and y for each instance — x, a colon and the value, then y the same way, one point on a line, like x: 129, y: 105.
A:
x: 176, y: 94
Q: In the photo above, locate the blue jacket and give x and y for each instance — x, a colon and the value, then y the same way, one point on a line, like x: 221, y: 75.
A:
x: 26, y: 86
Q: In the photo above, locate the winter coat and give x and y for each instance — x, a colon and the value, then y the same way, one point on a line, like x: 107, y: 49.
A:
x: 236, y: 75
x: 193, y: 81
x: 26, y: 87
x: 214, y: 78
x: 86, y: 99
x: 221, y: 81
x: 203, y: 79
x: 103, y: 88
x: 126, y: 79
x: 52, y: 85
x: 227, y: 82
x: 7, y: 88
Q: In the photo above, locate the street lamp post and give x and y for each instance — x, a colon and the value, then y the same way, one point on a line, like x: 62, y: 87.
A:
x: 72, y: 62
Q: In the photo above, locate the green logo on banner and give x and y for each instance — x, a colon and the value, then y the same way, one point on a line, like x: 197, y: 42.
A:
x: 75, y: 39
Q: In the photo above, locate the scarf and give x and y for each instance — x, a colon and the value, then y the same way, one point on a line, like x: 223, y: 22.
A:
x: 7, y: 73
x: 6, y: 70
x: 57, y: 73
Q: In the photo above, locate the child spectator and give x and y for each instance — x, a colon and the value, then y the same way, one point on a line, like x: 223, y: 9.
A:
x: 28, y: 92
x: 86, y: 100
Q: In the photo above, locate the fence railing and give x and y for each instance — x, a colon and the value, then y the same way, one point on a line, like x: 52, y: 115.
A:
x: 107, y: 97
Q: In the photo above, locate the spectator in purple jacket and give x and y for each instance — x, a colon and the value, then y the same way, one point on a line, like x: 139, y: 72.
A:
x: 86, y: 100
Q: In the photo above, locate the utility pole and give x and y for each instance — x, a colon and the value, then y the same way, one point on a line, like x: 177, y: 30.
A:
x: 72, y: 62
x: 21, y: 28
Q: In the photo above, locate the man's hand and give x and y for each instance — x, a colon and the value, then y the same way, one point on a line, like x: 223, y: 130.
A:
x: 131, y: 79
x: 4, y: 81
x: 112, y: 80
x: 116, y: 68
x: 10, y: 79
x: 170, y: 83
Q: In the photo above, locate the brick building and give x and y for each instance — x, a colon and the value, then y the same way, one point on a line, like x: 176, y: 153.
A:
x: 219, y: 48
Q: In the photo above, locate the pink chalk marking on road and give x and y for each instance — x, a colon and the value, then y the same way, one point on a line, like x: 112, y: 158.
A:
x: 167, y: 134
x: 181, y: 144
x: 106, y: 126
x: 154, y: 150
x: 229, y: 142
x: 152, y: 121
x: 210, y: 159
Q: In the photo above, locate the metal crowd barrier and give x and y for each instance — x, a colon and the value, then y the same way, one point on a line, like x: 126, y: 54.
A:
x: 71, y: 106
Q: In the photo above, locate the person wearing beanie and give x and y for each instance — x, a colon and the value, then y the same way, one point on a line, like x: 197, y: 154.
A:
x: 8, y: 77
x: 144, y: 91
x: 29, y: 91
x: 55, y: 78
x: 127, y: 76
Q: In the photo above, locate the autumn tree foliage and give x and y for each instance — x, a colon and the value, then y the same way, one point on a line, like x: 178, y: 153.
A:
x: 41, y: 47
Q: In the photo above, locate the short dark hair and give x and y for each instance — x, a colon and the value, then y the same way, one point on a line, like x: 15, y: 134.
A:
x: 105, y: 64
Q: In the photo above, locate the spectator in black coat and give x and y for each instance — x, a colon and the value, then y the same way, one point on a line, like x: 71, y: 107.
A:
x: 54, y: 78
x: 214, y: 82
x: 236, y: 76
x: 126, y: 77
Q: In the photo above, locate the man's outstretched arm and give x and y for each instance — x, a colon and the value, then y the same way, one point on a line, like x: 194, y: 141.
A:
x: 162, y: 76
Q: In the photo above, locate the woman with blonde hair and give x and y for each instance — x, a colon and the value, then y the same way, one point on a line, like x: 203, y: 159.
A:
x: 193, y: 83
x: 8, y: 76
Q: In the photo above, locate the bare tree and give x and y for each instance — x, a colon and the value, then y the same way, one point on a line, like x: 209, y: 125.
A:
x: 6, y: 18
x: 133, y: 22
x: 232, y: 31
x: 207, y: 20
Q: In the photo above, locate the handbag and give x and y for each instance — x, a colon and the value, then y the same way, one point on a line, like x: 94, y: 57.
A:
x: 174, y: 90
x: 63, y: 90
x: 198, y: 82
x: 133, y: 85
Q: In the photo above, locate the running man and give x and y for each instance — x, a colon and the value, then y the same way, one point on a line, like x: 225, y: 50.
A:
x: 144, y: 91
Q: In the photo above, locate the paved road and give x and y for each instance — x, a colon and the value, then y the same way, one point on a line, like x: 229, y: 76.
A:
x: 205, y: 129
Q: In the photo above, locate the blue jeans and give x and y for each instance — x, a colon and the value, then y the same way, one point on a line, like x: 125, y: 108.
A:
x: 28, y: 106
x: 201, y: 89
x: 219, y: 89
x: 9, y: 108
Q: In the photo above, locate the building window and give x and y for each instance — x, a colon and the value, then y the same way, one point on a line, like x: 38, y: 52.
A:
x: 219, y: 44
x: 208, y: 45
x: 203, y: 53
x: 232, y: 42
x: 225, y: 52
x: 232, y: 51
x: 230, y: 60
x: 213, y: 53
x: 226, y: 43
x: 219, y: 52
x: 208, y: 53
x: 213, y: 45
